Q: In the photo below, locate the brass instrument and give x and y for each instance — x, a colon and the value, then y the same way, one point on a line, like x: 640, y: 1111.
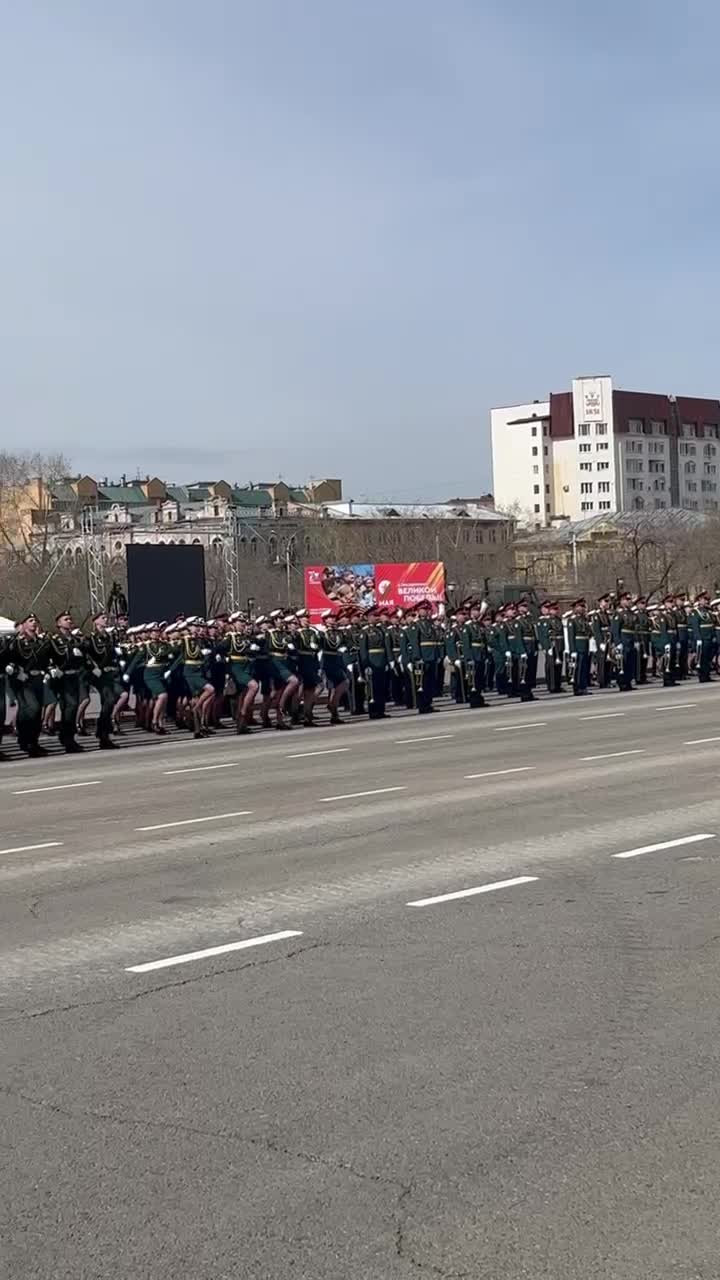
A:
x: 572, y: 667
x: 508, y: 666
x: 418, y: 673
x: 471, y: 675
x: 369, y: 684
x: 522, y: 668
x: 620, y: 659
x: 665, y: 662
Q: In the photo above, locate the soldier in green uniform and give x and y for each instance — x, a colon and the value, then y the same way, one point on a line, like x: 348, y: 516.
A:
x: 642, y: 622
x: 551, y: 639
x: 454, y: 652
x: 26, y: 665
x: 663, y: 644
x: 374, y: 656
x: 682, y: 610
x: 419, y: 655
x: 398, y: 683
x: 157, y: 671
x: 475, y: 654
x: 67, y: 660
x: 5, y: 639
x: 100, y: 655
x: 285, y: 683
x: 240, y: 648
x: 498, y: 644
x: 623, y: 631
x: 601, y: 624
x: 334, y: 661
x: 524, y: 646
x: 307, y: 651
x: 702, y: 629
x: 579, y: 633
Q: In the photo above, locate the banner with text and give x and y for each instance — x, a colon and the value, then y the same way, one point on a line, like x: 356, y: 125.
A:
x: 390, y: 586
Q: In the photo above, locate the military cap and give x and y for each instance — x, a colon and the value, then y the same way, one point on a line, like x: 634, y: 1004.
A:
x: 579, y: 601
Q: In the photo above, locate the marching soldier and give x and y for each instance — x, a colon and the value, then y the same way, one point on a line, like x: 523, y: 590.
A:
x: 105, y: 672
x: 455, y: 655
x: 475, y: 653
x: 398, y: 682
x: 240, y: 649
x: 67, y: 660
x: 579, y: 633
x: 601, y: 623
x: 307, y: 650
x: 285, y: 684
x: 524, y: 643
x: 26, y: 666
x: 642, y: 622
x: 551, y: 639
x: 682, y: 611
x: 334, y: 662
x: 374, y: 656
x: 623, y: 632
x: 702, y: 628
x: 662, y: 643
x: 419, y: 657
x: 4, y: 659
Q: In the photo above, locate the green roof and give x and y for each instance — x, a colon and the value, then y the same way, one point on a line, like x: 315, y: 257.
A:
x: 127, y: 495
x: 64, y: 492
x: 251, y: 498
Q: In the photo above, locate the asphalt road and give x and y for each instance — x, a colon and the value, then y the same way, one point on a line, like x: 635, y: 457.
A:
x: 410, y: 1079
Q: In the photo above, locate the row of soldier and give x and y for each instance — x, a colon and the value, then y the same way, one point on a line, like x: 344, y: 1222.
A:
x: 274, y: 667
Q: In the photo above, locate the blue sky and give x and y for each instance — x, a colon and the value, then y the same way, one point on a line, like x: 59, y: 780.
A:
x: 260, y: 237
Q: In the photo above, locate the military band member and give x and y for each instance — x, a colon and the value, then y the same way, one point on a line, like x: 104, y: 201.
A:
x: 551, y: 639
x: 475, y: 653
x: 663, y: 644
x: 623, y: 630
x: 601, y: 623
x: 702, y: 630
x: 455, y: 655
x: 419, y: 653
x: 523, y: 639
x: 67, y: 659
x: 682, y: 610
x: 285, y: 683
x: 398, y: 681
x: 334, y: 661
x: 240, y: 649
x: 642, y: 624
x: 578, y: 647
x: 307, y: 649
x: 375, y: 655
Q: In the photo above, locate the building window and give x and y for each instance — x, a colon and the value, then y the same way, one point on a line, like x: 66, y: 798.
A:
x: 659, y: 486
x: 692, y: 486
x: 658, y: 429
x: 634, y: 446
x: 534, y: 431
x: 604, y: 506
x: 708, y: 486
x: 535, y: 451
x: 584, y: 429
x: 690, y: 468
x: 545, y: 450
x: 710, y: 468
x: 537, y: 508
x: 656, y: 446
x: 711, y: 431
x: 636, y: 426
x: 688, y: 449
x: 536, y: 488
x: 535, y: 469
x: 633, y: 465
x: 709, y: 450
x: 547, y: 508
x: 601, y: 428
x: 691, y: 503
x: 601, y: 446
x: 586, y: 506
x: 655, y: 466
x: 586, y: 466
x: 635, y: 485
x: 547, y: 488
x: 603, y: 466
x: 545, y: 428
x: 659, y: 504
x: 689, y: 430
x: 584, y: 448
x: 586, y: 487
x: 638, y: 503
x: 604, y: 486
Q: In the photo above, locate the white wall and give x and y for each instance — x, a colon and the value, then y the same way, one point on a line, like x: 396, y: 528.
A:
x: 522, y: 461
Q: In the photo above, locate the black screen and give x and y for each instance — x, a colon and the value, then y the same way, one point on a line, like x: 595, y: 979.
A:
x: 165, y: 581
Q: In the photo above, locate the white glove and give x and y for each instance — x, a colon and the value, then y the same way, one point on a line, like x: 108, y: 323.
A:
x: 10, y: 669
x: 126, y: 679
x: 342, y: 649
x: 508, y: 653
x: 96, y: 672
x: 458, y: 663
x: 291, y: 646
x: 313, y: 645
x: 254, y: 648
x: 603, y: 648
x: 167, y: 675
x: 409, y: 666
x: 122, y: 664
x: 77, y: 653
x: 206, y: 652
x: 118, y: 653
x: 22, y: 676
x: 55, y: 673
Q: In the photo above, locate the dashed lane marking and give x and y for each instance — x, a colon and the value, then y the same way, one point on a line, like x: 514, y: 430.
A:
x: 612, y: 755
x: 63, y: 786
x: 531, y: 724
x: 356, y: 795
x: 676, y: 706
x: 496, y: 773
x: 470, y: 893
x: 188, y: 822
x: 665, y: 844
x: 213, y: 951
x: 606, y: 715
x: 698, y: 742
x: 28, y: 848
x: 331, y: 751
x: 202, y: 768
x: 436, y: 737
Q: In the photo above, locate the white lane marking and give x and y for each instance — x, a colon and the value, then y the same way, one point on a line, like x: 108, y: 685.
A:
x: 606, y: 715
x: 470, y: 893
x: 612, y: 755
x: 187, y: 822
x: 213, y: 951
x: 202, y: 768
x: 697, y: 742
x: 664, y: 844
x: 63, y: 786
x: 436, y: 737
x: 676, y: 706
x: 495, y: 773
x: 27, y: 848
x: 331, y: 751
x: 355, y: 795
x: 531, y: 724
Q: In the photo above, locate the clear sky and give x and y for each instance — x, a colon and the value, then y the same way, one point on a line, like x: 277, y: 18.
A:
x: 251, y: 238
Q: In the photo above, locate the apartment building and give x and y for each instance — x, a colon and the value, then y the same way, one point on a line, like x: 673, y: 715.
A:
x: 597, y: 449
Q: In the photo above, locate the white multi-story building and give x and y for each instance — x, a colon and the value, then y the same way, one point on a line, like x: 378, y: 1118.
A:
x: 597, y: 449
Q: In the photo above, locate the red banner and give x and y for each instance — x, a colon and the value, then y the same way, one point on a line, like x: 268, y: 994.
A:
x: 390, y: 586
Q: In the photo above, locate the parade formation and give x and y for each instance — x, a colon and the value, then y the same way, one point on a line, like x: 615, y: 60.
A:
x: 272, y: 672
